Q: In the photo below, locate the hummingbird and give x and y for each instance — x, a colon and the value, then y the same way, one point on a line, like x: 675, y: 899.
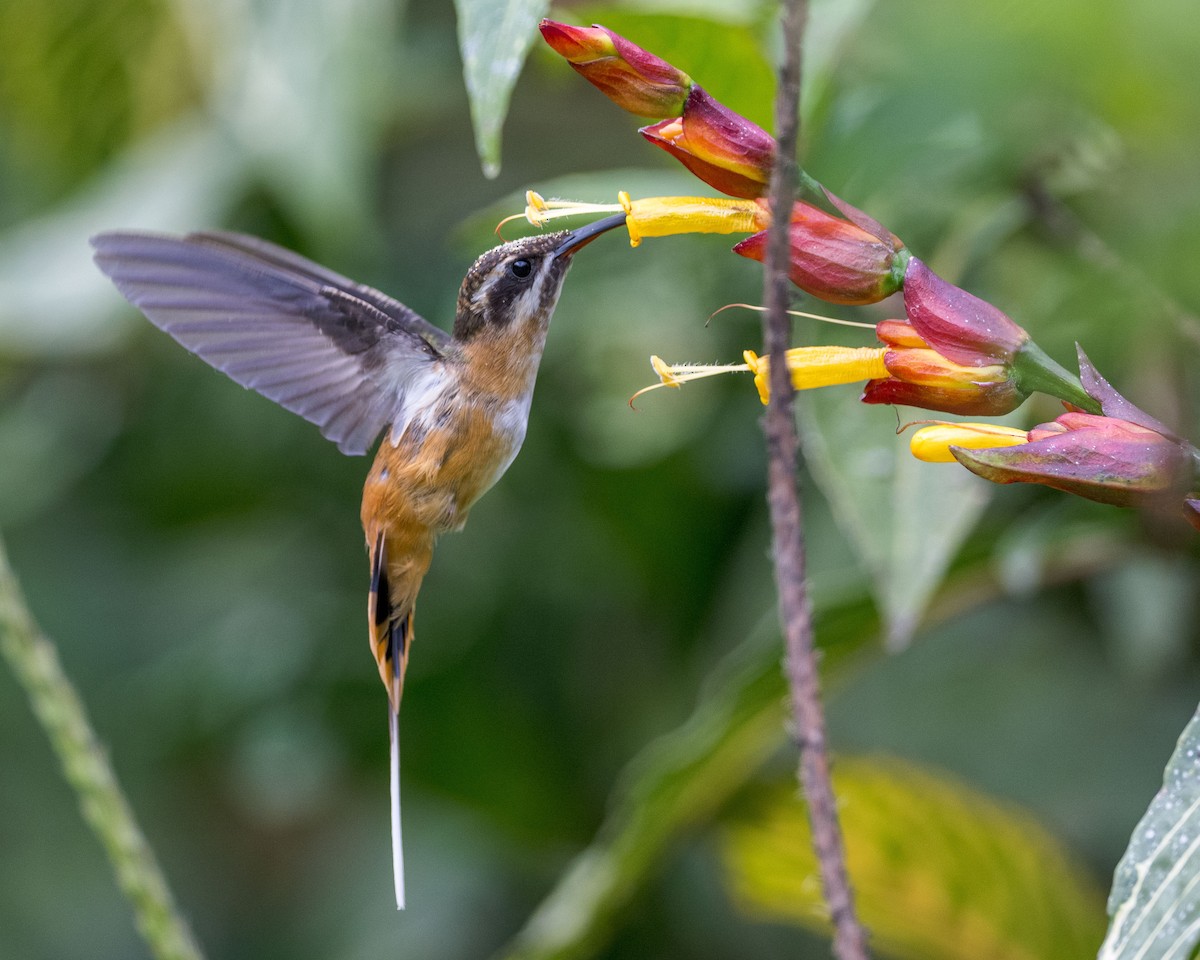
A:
x: 453, y: 407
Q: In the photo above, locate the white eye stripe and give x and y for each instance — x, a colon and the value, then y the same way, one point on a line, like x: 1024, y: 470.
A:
x: 532, y: 297
x: 484, y: 289
x: 528, y: 289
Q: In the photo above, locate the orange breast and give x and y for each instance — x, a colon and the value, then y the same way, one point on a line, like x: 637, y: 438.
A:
x: 449, y: 455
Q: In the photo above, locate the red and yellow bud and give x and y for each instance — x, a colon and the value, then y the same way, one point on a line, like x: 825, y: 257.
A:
x: 631, y: 77
x: 919, y: 376
x: 1100, y: 458
x: 721, y: 147
x: 834, y: 259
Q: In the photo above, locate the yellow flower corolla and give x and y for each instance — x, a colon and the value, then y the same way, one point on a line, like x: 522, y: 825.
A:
x: 664, y: 216
x: 826, y: 366
x: 932, y: 443
x: 658, y: 216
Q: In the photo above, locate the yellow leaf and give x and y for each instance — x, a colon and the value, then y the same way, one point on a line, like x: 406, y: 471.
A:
x: 940, y: 871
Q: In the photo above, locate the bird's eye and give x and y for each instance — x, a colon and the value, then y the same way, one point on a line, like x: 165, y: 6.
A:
x: 520, y: 269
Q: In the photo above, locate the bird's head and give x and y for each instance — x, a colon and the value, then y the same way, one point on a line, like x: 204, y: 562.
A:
x: 515, y: 286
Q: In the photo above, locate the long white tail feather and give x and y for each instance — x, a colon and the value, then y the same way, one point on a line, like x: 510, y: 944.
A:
x: 397, y: 840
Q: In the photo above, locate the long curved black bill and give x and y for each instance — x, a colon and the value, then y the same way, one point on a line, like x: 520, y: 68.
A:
x: 577, y: 239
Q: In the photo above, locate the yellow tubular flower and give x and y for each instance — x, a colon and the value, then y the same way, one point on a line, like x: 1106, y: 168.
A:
x: 820, y: 367
x: 664, y: 216
x: 658, y: 216
x: 932, y: 443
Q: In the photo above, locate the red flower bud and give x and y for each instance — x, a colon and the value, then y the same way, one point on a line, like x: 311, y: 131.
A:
x: 922, y: 377
x: 722, y: 148
x: 631, y: 77
x: 834, y: 259
x: 1097, y: 457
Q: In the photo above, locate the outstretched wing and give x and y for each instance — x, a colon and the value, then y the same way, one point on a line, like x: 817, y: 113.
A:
x: 336, y: 352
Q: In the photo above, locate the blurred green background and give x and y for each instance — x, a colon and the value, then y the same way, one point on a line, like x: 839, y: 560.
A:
x: 195, y: 551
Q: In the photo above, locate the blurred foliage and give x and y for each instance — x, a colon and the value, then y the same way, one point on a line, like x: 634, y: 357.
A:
x: 79, y: 82
x: 195, y: 550
x: 906, y: 522
x: 942, y: 872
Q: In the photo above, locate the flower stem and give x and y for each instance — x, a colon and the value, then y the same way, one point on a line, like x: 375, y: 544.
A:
x: 34, y: 660
x: 1037, y: 371
x: 779, y: 426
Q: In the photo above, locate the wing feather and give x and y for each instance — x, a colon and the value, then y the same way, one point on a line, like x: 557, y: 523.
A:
x: 336, y: 352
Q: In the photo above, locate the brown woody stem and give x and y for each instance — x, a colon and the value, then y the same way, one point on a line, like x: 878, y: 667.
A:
x: 779, y: 426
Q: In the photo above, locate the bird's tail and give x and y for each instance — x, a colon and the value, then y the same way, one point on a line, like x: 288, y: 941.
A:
x: 397, y: 840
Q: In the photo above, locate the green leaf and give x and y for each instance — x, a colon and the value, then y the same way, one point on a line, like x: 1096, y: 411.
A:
x: 1155, y: 899
x: 494, y: 39
x: 906, y: 519
x: 79, y: 81
x: 940, y: 871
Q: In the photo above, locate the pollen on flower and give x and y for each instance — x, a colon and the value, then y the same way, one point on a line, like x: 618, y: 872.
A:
x: 539, y: 211
x: 665, y: 373
x: 677, y: 374
x: 535, y: 208
x: 932, y: 443
x: 631, y: 224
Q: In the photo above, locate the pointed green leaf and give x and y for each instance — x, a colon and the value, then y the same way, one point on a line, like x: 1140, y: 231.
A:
x: 494, y: 39
x: 1155, y: 899
x: 940, y: 872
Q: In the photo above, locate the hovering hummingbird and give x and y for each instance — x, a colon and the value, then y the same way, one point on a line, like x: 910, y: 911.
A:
x: 353, y: 361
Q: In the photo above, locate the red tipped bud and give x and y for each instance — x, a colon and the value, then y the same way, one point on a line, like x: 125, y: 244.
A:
x: 631, y: 77
x: 922, y: 377
x: 722, y: 148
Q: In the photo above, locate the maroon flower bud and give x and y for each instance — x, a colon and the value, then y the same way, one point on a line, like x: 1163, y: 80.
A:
x: 834, y: 259
x: 1097, y: 457
x: 631, y: 77
x: 956, y: 324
